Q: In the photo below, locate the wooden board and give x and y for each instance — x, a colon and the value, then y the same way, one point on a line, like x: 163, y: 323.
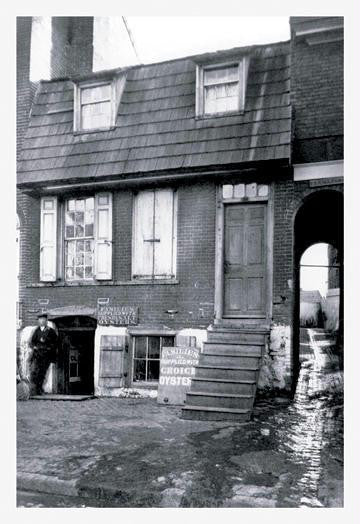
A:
x: 176, y: 369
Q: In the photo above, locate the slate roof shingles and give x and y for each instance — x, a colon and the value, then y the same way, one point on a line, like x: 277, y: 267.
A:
x: 156, y: 128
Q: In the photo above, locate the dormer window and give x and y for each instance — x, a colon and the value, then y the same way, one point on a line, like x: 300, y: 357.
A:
x: 221, y: 88
x: 94, y: 106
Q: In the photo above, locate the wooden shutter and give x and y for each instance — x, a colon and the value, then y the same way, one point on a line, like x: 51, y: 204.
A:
x: 112, y: 357
x: 103, y: 236
x: 48, y: 234
x: 143, y: 235
x: 164, y: 233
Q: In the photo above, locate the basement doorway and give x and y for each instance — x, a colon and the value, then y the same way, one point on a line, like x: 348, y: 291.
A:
x: 75, y: 362
x: 318, y: 257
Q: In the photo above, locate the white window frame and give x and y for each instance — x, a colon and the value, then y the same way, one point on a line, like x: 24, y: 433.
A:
x: 242, y: 64
x: 146, y: 382
x: 65, y: 240
x: 77, y: 105
x: 155, y: 277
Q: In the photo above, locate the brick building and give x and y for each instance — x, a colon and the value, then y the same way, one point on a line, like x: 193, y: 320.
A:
x: 170, y: 203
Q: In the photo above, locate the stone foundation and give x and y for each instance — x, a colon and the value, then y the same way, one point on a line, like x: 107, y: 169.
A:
x: 275, y: 372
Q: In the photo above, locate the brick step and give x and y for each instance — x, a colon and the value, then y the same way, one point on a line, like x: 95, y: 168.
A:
x: 230, y: 347
x: 229, y: 372
x: 209, y: 413
x: 223, y: 385
x: 237, y: 337
x: 230, y: 359
x: 219, y: 400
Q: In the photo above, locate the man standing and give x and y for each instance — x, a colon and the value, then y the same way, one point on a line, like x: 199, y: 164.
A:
x: 44, y: 345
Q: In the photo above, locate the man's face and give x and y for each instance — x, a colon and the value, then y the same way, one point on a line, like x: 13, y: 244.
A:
x: 42, y: 321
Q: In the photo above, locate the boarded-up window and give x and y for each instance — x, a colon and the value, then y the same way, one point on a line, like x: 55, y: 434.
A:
x: 154, y: 234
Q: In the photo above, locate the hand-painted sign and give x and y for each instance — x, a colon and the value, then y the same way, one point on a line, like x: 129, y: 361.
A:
x: 176, y: 369
x: 117, y: 315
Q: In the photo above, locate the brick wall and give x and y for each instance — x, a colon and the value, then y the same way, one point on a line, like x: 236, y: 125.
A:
x: 72, y: 45
x: 316, y: 94
x: 193, y: 296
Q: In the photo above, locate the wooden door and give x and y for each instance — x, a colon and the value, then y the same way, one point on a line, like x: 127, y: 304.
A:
x: 245, y: 260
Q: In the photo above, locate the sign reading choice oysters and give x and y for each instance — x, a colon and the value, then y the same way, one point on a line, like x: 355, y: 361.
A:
x: 176, y: 369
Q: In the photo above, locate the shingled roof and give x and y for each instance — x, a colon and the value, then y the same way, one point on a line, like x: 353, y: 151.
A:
x: 156, y: 130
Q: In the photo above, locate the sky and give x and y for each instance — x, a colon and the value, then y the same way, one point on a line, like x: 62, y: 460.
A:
x: 163, y: 38
x: 159, y: 38
x: 312, y: 278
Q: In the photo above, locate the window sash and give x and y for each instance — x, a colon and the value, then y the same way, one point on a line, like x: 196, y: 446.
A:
x: 213, y: 79
x: 146, y: 358
x: 79, y: 247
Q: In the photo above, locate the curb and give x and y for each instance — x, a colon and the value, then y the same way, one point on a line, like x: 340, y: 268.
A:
x: 35, y: 482
x: 46, y: 484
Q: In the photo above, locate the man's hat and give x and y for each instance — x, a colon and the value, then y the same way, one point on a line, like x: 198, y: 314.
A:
x: 42, y: 315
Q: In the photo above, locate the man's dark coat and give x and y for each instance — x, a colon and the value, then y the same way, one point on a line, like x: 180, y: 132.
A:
x: 44, y: 343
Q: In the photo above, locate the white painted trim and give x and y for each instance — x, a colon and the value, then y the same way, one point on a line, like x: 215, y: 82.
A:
x: 318, y: 170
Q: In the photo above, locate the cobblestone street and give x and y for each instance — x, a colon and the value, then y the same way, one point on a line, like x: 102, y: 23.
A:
x: 136, y: 453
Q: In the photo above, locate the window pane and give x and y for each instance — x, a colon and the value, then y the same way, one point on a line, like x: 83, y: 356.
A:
x: 153, y: 370
x: 154, y: 347
x: 94, y: 94
x: 139, y: 370
x: 140, y: 347
x: 89, y: 230
x: 88, y: 272
x: 89, y: 203
x: 80, y: 205
x: 71, y: 205
x: 221, y: 75
x: 79, y: 272
x: 167, y: 341
x: 79, y: 217
x: 69, y: 273
x: 79, y: 231
x: 221, y: 99
x: 96, y: 116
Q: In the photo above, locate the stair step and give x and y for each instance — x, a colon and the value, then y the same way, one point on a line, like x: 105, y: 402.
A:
x: 230, y: 347
x: 220, y: 400
x: 226, y: 372
x: 223, y: 385
x: 211, y: 413
x: 229, y: 359
x: 236, y: 337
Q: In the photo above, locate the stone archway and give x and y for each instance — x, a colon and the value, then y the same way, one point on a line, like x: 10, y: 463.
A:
x: 319, y: 219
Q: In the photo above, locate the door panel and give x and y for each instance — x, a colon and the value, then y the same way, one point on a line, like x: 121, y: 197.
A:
x: 245, y: 260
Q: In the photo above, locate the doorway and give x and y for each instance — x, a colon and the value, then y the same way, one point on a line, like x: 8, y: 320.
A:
x: 318, y: 271
x: 244, y: 270
x: 75, y: 362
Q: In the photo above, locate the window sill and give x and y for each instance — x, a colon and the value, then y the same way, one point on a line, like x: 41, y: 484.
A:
x: 105, y: 283
x: 220, y: 115
x: 80, y: 132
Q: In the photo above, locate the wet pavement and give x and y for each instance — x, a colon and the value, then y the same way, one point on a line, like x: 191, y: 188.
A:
x: 136, y: 453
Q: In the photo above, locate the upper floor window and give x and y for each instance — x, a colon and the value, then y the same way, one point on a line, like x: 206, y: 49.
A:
x: 94, y: 107
x: 154, y: 234
x: 221, y: 88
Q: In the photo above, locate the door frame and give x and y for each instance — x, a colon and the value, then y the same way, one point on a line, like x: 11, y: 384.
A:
x: 219, y: 255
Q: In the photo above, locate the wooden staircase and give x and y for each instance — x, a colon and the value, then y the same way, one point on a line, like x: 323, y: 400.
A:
x: 224, y: 385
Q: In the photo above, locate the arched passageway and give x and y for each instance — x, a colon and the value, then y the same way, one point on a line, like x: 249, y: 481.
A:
x: 319, y: 220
